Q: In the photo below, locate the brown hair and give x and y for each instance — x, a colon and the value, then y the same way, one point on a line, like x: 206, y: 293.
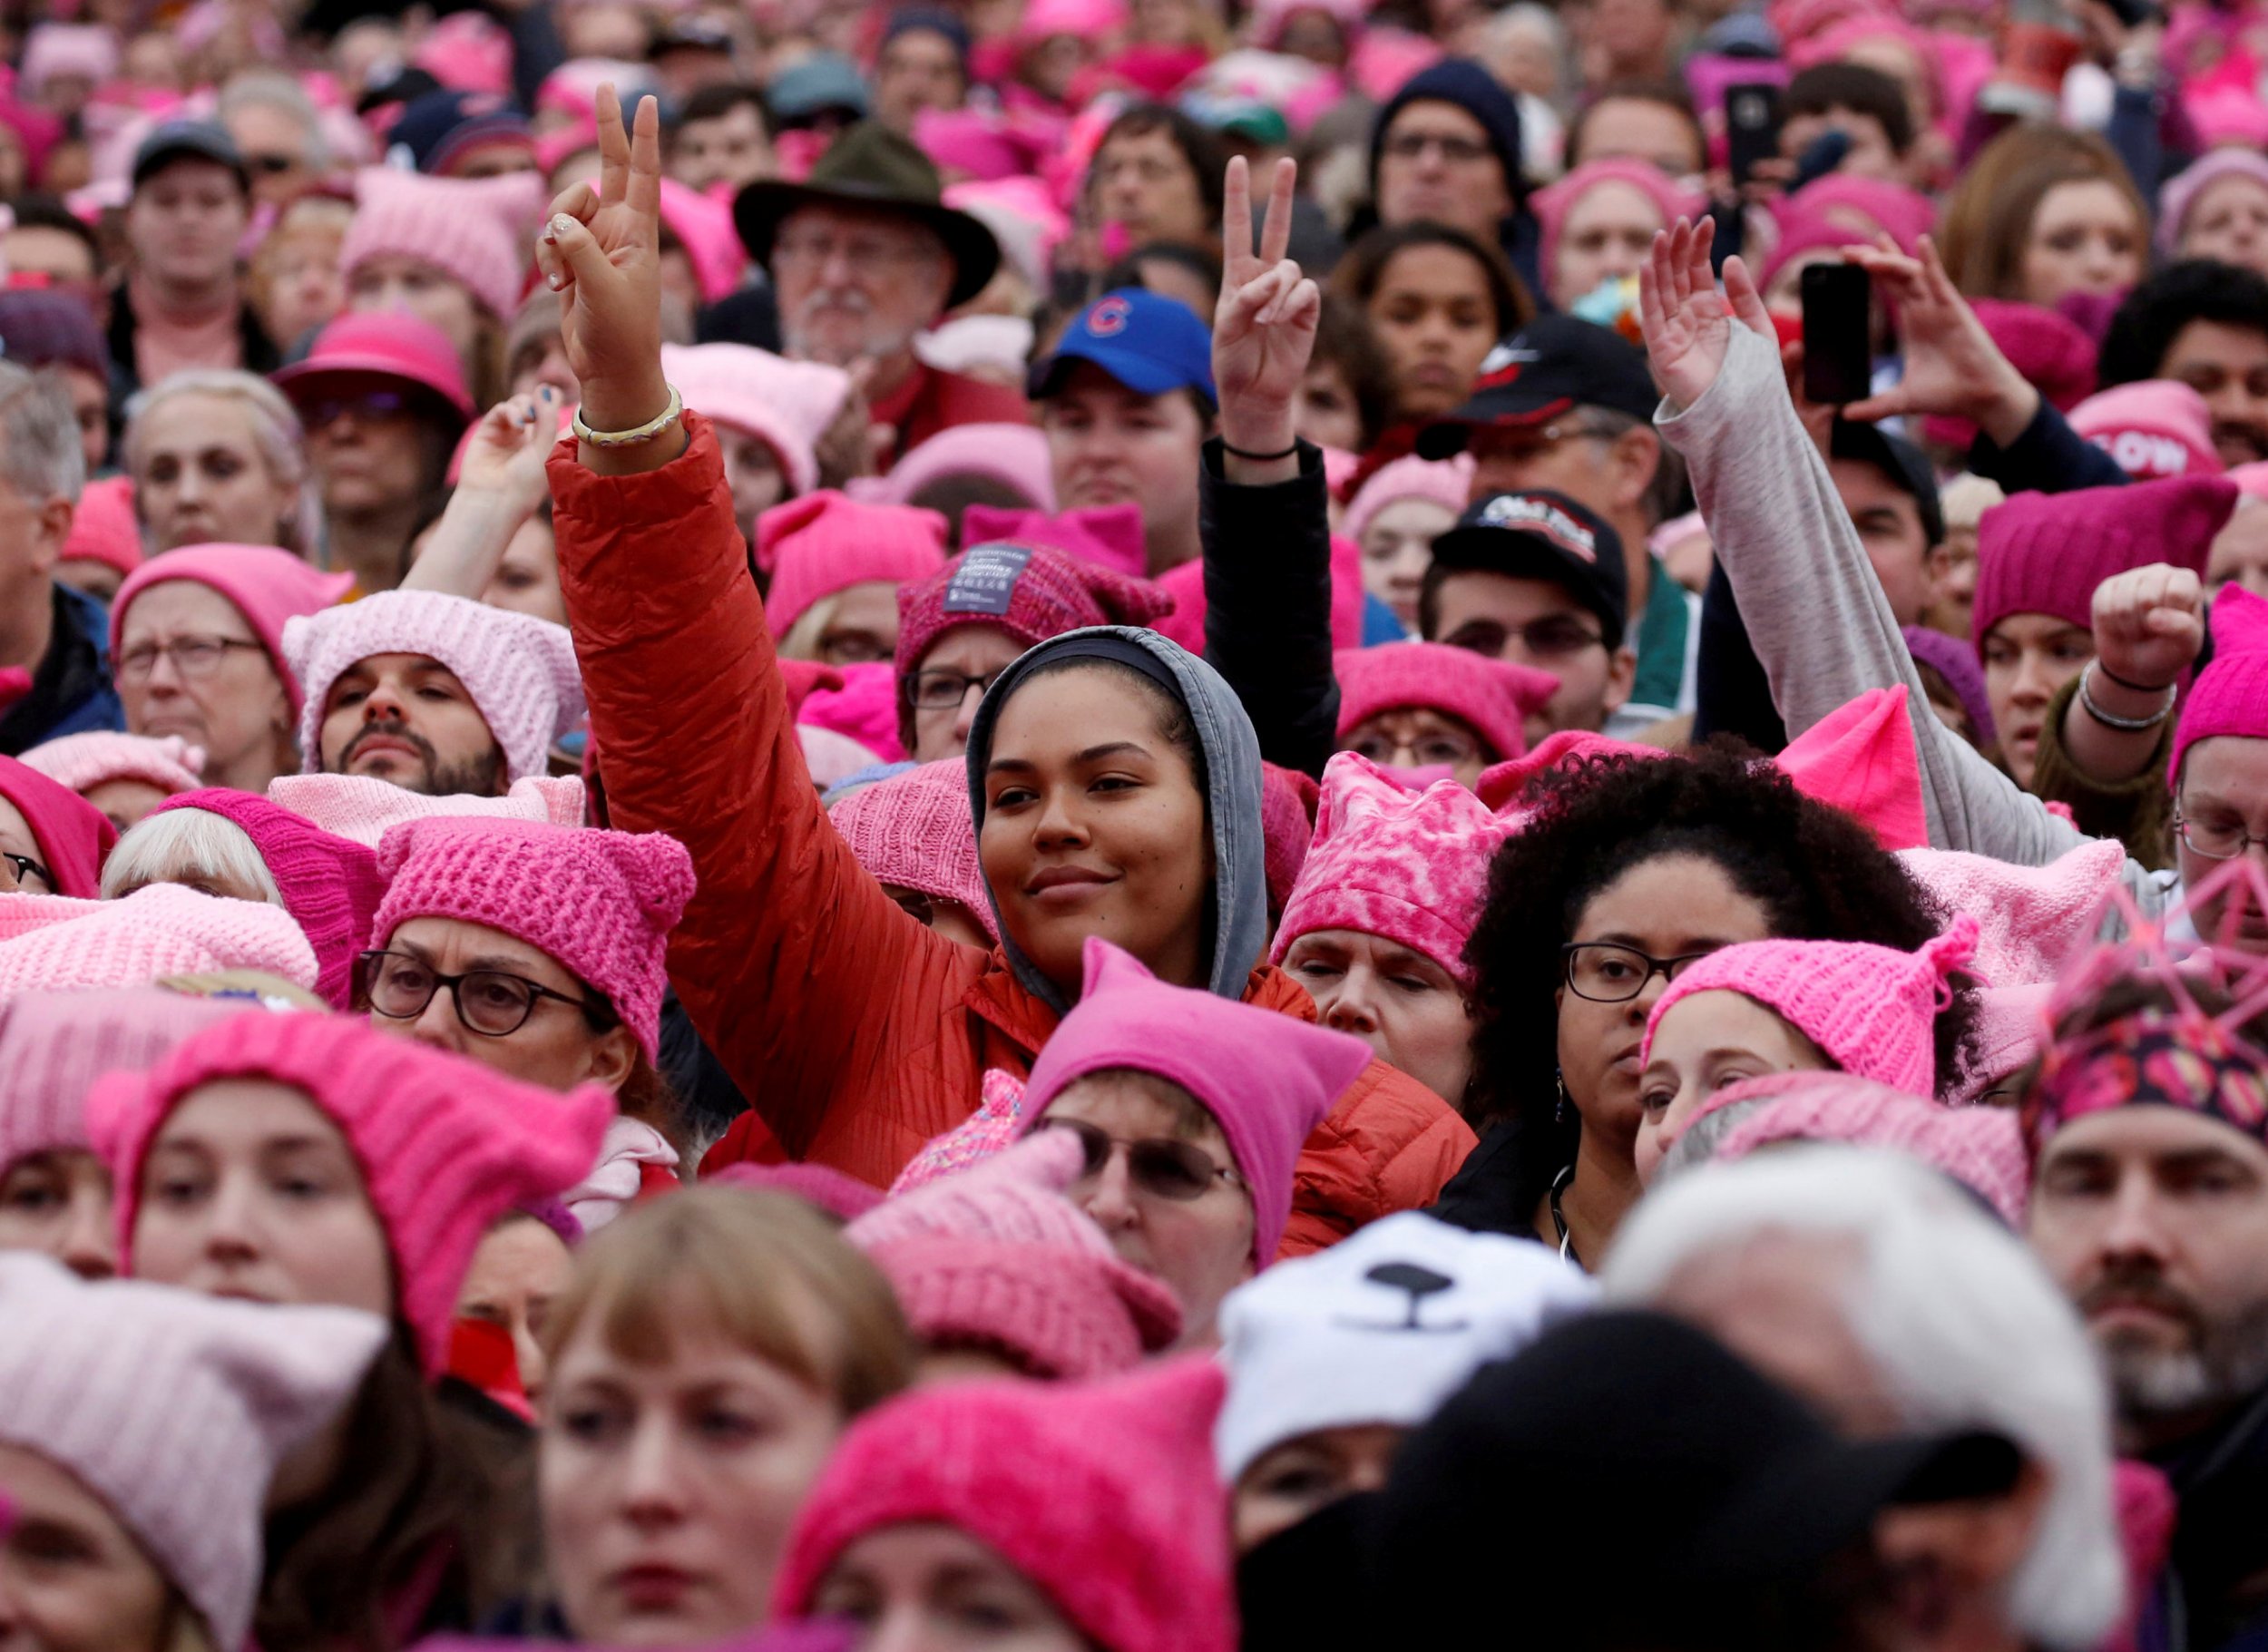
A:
x: 1988, y: 218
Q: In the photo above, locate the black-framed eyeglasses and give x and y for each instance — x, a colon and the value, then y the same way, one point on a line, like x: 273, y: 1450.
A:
x: 938, y: 689
x: 490, y: 1002
x: 2214, y: 842
x: 1176, y: 1170
x: 191, y: 655
x: 369, y: 404
x: 1553, y: 637
x: 1608, y: 973
x: 17, y: 871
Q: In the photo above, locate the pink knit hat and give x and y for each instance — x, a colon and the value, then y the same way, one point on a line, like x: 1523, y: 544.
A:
x: 601, y: 903
x: 104, y: 528
x: 1491, y: 697
x: 2055, y: 356
x: 1289, y: 799
x: 997, y: 1257
x: 329, y: 886
x: 268, y: 587
x: 2005, y: 1032
x: 1267, y: 1078
x: 1014, y: 455
x: 2155, y: 428
x: 1030, y: 592
x: 786, y: 405
x: 54, y: 1045
x: 387, y: 343
x: 1445, y: 481
x: 865, y: 708
x: 826, y: 542
x: 1873, y: 1010
x: 446, y: 1145
x: 2180, y: 192
x: 1409, y: 867
x: 1108, y: 535
x: 83, y: 761
x: 2032, y: 920
x: 1104, y: 1495
x: 1553, y: 203
x: 362, y: 808
x: 703, y: 227
x: 73, y: 836
x: 2045, y: 553
x: 2230, y: 696
x: 915, y: 830
x: 1183, y: 587
x: 166, y: 929
x: 1905, y: 215
x: 1861, y: 759
x: 464, y: 228
x: 174, y: 1409
x: 520, y: 670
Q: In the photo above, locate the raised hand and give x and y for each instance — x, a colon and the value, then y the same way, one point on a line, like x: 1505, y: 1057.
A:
x: 1263, y: 328
x: 508, y: 447
x: 2149, y: 625
x: 1687, y: 321
x: 1950, y: 363
x: 602, y: 254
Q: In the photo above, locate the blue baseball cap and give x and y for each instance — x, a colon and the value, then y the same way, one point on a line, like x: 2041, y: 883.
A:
x: 1150, y: 343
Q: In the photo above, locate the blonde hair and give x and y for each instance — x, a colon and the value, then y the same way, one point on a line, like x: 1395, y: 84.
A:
x: 183, y: 846
x: 275, y: 431
x: 802, y: 640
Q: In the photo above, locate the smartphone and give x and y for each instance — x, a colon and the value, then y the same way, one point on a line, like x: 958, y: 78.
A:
x: 1838, y: 359
x: 1821, y: 156
x: 1751, y: 126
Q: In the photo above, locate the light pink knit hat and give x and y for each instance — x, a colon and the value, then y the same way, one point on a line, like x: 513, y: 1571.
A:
x: 84, y: 761
x: 997, y: 1257
x: 2031, y: 920
x: 1493, y: 697
x: 915, y: 830
x: 174, y: 1409
x: 787, y: 404
x: 827, y: 542
x: 1873, y: 1010
x: 446, y: 1145
x: 464, y: 228
x: 1445, y: 481
x: 2155, y: 429
x: 1410, y: 866
x: 55, y: 941
x: 1015, y: 456
x: 1552, y: 203
x: 362, y: 808
x: 267, y: 586
x: 520, y: 670
x: 54, y: 1045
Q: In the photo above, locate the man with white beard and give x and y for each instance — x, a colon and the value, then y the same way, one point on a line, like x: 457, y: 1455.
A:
x: 865, y: 258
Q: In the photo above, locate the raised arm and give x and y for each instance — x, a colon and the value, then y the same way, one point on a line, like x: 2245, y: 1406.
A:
x: 500, y: 485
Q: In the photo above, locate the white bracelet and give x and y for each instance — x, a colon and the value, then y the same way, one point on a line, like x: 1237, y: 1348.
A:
x: 646, y: 432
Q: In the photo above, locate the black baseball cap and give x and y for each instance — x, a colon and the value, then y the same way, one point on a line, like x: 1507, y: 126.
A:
x: 1540, y: 534
x: 1904, y: 464
x: 172, y: 140
x: 1553, y: 364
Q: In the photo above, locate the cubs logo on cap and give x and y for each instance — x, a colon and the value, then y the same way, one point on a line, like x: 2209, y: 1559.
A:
x: 1108, y: 317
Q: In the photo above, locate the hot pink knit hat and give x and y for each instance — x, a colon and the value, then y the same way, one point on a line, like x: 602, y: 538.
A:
x: 104, y: 529
x: 268, y: 587
x: 329, y: 886
x: 175, y: 1410
x: 1267, y: 1078
x: 1905, y: 214
x: 1552, y: 204
x: 1183, y: 587
x: 1409, y: 867
x: 362, y: 808
x: 1873, y: 1010
x: 826, y: 542
x: 83, y: 761
x: 703, y: 227
x: 2230, y: 696
x: 1030, y: 592
x: 915, y: 830
x: 520, y: 670
x: 54, y: 1045
x: 998, y: 1258
x: 1445, y: 481
x: 2155, y: 428
x: 463, y: 227
x: 786, y: 405
x: 1108, y: 535
x: 74, y: 837
x: 164, y: 930
x: 1289, y: 799
x: 2055, y: 356
x: 1493, y: 697
x: 1015, y: 456
x: 1104, y: 1495
x: 446, y: 1145
x: 1861, y: 759
x: 2045, y: 553
x: 601, y: 903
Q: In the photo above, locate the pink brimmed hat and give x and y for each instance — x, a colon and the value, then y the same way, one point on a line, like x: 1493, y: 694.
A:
x: 388, y: 344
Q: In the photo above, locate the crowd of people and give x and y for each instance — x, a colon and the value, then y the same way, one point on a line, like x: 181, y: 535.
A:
x: 1155, y: 826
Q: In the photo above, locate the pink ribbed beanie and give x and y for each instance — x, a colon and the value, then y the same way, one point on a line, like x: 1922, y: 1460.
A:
x: 104, y: 529
x: 174, y: 1409
x: 1267, y: 1078
x: 1445, y: 481
x: 2156, y: 429
x: 786, y: 405
x: 1493, y: 697
x: 997, y: 1257
x: 446, y: 1145
x: 1104, y: 1495
x: 54, y: 1045
x: 81, y: 762
x: 1030, y: 592
x: 1409, y: 867
x: 2045, y: 553
x: 601, y: 904
x: 1108, y: 535
x: 164, y: 930
x: 2230, y: 696
x: 826, y: 542
x: 268, y: 587
x: 362, y: 808
x: 1871, y: 1010
x: 915, y: 830
x: 520, y: 670
x: 464, y: 228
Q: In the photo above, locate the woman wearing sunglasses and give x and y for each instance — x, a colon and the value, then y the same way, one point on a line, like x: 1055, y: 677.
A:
x: 52, y: 840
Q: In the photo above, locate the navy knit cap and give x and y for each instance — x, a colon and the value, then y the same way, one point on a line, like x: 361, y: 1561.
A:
x: 933, y: 20
x: 1461, y: 81
x: 436, y: 129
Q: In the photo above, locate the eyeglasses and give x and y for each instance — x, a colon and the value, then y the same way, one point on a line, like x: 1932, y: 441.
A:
x: 1608, y: 973
x: 369, y: 404
x: 1553, y: 637
x: 2216, y: 841
x: 487, y: 1002
x: 191, y: 655
x: 1512, y: 443
x: 21, y: 869
x: 1456, y: 150
x: 810, y: 251
x: 1425, y: 752
x: 943, y: 691
x: 1176, y: 1170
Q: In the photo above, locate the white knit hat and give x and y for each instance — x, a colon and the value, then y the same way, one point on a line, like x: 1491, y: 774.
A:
x: 1380, y: 1328
x: 173, y: 1408
x: 520, y: 670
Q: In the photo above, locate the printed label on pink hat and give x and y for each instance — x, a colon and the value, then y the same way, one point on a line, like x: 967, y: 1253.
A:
x: 985, y: 582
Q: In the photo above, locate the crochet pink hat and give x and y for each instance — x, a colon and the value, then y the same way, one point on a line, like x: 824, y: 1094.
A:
x: 520, y: 670
x: 1030, y: 592
x: 1861, y: 759
x: 1873, y: 1010
x: 786, y: 405
x: 1552, y: 204
x: 1493, y: 697
x: 2230, y: 696
x: 2156, y: 428
x: 54, y: 1045
x: 2032, y: 920
x: 1267, y: 1078
x: 915, y: 830
x: 1409, y: 867
x: 362, y: 808
x: 329, y: 886
x: 2180, y: 192
x: 1445, y: 481
x: 1015, y: 456
x: 826, y: 542
x: 463, y: 227
x: 387, y: 343
x: 164, y: 930
x: 446, y: 1145
x: 83, y: 761
x: 1104, y: 1495
x: 268, y: 587
x: 104, y: 529
x: 1108, y: 535
x: 174, y: 1409
x: 601, y: 903
x: 997, y: 1257
x: 2045, y: 553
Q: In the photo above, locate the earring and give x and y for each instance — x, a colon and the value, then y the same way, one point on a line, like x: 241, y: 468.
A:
x: 1558, y: 1113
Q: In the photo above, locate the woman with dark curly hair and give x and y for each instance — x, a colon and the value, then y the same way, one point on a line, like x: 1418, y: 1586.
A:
x: 1661, y: 860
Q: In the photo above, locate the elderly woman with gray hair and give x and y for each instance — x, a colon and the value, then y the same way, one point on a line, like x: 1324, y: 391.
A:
x: 219, y: 458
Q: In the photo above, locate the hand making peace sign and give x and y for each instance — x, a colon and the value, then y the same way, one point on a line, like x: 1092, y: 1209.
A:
x: 1264, y: 328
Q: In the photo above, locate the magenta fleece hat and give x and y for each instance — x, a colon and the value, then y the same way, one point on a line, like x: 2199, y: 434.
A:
x: 1267, y: 1078
x: 53, y: 1046
x: 786, y: 405
x: 602, y: 904
x: 703, y: 227
x: 827, y: 542
x: 1030, y: 592
x: 390, y: 344
x: 2045, y: 553
x: 267, y: 586
x: 1871, y: 1010
x: 2155, y: 428
x: 1493, y: 697
x: 2230, y: 696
